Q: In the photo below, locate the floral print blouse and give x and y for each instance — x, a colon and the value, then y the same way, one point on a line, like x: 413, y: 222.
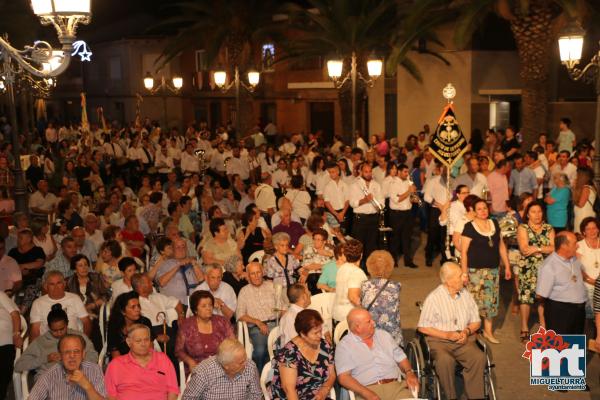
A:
x: 386, y: 309
x: 310, y: 377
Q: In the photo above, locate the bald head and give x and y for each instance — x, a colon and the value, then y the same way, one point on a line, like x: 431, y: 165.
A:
x: 449, y: 270
x: 565, y: 244
x: 255, y: 273
x: 360, y: 323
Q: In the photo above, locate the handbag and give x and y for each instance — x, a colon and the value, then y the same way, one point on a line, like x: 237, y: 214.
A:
x: 377, y: 295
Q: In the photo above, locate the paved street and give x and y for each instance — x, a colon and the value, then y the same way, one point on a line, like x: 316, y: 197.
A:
x: 512, y: 371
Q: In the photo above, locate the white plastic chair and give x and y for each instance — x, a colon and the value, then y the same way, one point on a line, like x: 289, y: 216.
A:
x: 257, y: 256
x: 340, y: 330
x: 103, y: 316
x: 20, y: 386
x: 272, y: 341
x: 244, y: 338
x: 182, y: 379
x: 323, y: 303
x: 265, y: 378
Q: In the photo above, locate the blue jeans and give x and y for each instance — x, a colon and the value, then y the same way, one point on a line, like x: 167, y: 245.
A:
x: 260, y: 355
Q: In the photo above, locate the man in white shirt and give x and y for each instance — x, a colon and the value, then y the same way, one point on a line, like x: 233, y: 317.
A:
x: 164, y: 163
x: 92, y: 233
x: 158, y: 308
x: 41, y: 202
x: 531, y: 161
x: 563, y: 165
x: 299, y: 298
x: 473, y: 179
x: 238, y: 165
x: 401, y: 217
x: 225, y: 298
x: 364, y: 194
x: 280, y: 177
x: 265, y: 196
x: 54, y: 285
x: 336, y: 200
x: 436, y: 193
x: 189, y: 161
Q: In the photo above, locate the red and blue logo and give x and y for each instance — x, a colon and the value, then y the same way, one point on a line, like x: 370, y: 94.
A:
x: 557, y: 361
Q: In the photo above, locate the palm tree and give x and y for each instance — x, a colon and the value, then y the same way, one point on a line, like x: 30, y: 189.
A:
x: 341, y: 27
x: 231, y: 33
x: 535, y: 25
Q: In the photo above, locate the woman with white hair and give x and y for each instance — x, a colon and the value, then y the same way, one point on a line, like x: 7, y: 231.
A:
x: 282, y: 266
x: 558, y: 202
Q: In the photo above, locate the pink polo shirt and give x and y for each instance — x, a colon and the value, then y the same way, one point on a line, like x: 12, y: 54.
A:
x: 498, y: 186
x: 126, y: 379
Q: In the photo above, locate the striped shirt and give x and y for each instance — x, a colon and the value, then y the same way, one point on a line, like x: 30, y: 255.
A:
x: 210, y: 382
x: 53, y: 384
x: 442, y: 311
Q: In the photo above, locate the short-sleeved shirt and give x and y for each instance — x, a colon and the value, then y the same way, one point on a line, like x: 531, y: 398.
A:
x: 481, y: 254
x: 329, y: 274
x: 126, y: 379
x: 71, y: 304
x: 221, y: 251
x: 9, y: 273
x: 444, y: 312
x: 369, y: 365
x: 565, y: 140
x: 560, y: 279
x: 557, y: 211
x: 34, y: 254
x: 224, y: 292
x: 349, y: 276
x: 7, y: 306
x: 177, y: 286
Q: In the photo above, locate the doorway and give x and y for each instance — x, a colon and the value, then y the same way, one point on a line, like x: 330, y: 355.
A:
x: 322, y: 118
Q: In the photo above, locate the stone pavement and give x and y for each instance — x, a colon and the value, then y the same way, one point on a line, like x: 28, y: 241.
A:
x: 512, y: 371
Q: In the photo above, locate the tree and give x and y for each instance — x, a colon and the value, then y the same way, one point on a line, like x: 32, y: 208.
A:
x: 231, y: 32
x: 535, y: 25
x: 329, y: 28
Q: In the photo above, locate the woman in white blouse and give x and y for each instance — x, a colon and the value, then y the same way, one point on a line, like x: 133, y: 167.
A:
x: 299, y: 198
x: 588, y: 252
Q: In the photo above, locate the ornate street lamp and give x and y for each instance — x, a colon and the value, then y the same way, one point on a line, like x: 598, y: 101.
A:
x: 165, y: 87
x: 220, y: 79
x: 41, y: 61
x: 570, y: 44
x: 334, y: 70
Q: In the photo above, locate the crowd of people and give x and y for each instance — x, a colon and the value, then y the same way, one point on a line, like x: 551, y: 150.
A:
x: 143, y: 248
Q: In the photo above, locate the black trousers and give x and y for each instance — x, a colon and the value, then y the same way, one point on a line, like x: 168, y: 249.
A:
x: 401, y: 223
x: 564, y: 318
x: 7, y: 355
x: 365, y: 228
x: 436, y: 235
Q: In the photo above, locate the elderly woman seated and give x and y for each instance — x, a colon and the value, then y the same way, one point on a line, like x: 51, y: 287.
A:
x: 221, y: 246
x: 282, y: 267
x: 304, y: 367
x: 199, y: 336
x: 235, y: 273
x: 315, y: 257
x: 381, y: 296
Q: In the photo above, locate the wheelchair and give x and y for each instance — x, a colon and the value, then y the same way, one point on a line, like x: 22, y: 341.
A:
x: 417, y: 351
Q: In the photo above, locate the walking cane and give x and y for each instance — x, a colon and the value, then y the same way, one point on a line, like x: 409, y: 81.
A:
x: 164, y: 322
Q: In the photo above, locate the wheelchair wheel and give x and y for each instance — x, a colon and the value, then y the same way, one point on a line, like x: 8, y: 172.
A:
x: 489, y: 388
x: 429, y: 385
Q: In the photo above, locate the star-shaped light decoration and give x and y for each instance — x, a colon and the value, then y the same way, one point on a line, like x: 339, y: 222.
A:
x: 80, y: 48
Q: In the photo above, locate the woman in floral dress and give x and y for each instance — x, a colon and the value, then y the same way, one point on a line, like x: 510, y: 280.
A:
x: 304, y: 367
x: 381, y: 296
x: 536, y: 241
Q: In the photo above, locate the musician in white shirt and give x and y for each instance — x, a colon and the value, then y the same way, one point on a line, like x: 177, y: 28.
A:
x: 398, y: 188
x: 189, y: 161
x: 436, y: 193
x: 363, y: 196
x: 238, y: 165
x: 336, y: 200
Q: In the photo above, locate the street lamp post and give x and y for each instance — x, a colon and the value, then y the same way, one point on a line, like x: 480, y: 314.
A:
x: 174, y: 87
x: 570, y: 44
x: 41, y: 61
x: 220, y: 78
x: 334, y: 70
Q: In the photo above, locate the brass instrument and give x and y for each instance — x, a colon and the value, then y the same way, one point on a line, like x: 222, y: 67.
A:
x: 225, y: 162
x: 485, y: 193
x: 383, y: 230
x: 414, y: 197
x: 202, y: 165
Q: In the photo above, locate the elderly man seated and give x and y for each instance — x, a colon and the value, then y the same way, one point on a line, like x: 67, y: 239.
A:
x: 228, y: 375
x: 72, y: 378
x: 177, y: 276
x: 369, y: 361
x: 225, y: 298
x: 256, y: 307
x: 54, y: 286
x: 450, y: 320
x: 142, y: 373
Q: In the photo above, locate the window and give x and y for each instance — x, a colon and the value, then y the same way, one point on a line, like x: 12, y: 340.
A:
x: 268, y: 56
x: 114, y: 69
x: 201, y: 61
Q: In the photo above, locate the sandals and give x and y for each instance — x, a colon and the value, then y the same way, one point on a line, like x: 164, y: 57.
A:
x: 524, y: 336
